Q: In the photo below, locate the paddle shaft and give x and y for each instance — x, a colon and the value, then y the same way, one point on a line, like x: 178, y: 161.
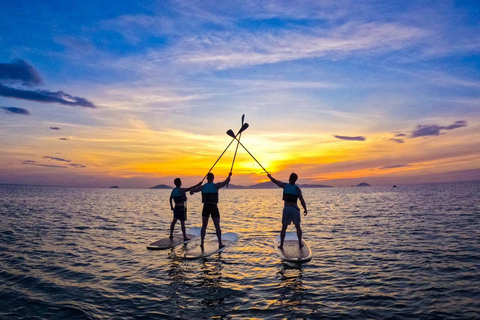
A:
x: 239, y: 143
x: 235, y: 155
x: 219, y: 157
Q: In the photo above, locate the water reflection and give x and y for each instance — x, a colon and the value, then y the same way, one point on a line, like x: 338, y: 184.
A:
x: 291, y: 283
x: 211, y: 279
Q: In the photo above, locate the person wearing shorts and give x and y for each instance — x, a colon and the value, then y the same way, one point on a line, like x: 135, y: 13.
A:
x: 291, y: 212
x: 210, y: 209
x: 179, y: 197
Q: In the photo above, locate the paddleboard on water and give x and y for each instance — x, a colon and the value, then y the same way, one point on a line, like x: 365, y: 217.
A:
x: 167, y: 243
x: 291, y: 251
x: 210, y: 247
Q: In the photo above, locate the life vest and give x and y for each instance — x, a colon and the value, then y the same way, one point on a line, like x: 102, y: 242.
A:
x: 209, y: 193
x: 178, y: 197
x: 290, y: 193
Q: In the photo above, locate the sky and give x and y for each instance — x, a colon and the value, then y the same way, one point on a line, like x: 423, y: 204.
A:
x: 137, y: 93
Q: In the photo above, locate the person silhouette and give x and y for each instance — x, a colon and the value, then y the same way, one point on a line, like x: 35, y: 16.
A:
x: 291, y: 212
x: 179, y: 197
x: 210, y: 200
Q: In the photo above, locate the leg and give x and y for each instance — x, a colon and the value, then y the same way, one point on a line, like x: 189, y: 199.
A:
x: 172, y: 226
x: 282, y: 235
x: 183, y: 230
x: 216, y: 222
x: 299, y: 234
x: 204, y: 230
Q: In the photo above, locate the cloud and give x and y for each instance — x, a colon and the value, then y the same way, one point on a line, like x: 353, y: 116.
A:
x: 45, y: 96
x: 55, y: 128
x: 457, y: 124
x: 19, y: 70
x: 358, y: 138
x: 33, y: 163
x: 396, y: 166
x: 77, y: 165
x: 434, y: 130
x: 56, y: 159
x: 16, y: 110
x: 397, y: 140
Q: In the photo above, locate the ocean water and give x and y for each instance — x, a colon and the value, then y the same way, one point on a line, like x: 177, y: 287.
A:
x: 411, y: 252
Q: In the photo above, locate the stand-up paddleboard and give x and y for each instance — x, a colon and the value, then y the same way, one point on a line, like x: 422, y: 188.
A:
x: 291, y: 251
x: 210, y: 247
x: 167, y: 243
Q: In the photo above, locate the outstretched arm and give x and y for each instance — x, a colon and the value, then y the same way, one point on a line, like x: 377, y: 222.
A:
x: 192, y: 187
x: 196, y: 188
x: 302, y: 201
x: 224, y: 183
x: 278, y: 183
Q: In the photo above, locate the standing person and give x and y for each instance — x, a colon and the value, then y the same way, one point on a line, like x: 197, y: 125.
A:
x: 210, y: 208
x: 291, y: 212
x: 179, y: 196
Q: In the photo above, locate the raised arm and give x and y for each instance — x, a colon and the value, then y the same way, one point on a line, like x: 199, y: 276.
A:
x: 302, y: 201
x: 224, y: 183
x: 196, y: 188
x: 192, y: 187
x: 278, y: 183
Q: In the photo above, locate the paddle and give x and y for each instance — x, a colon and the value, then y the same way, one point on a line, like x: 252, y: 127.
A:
x: 236, y: 149
x: 243, y: 128
x: 231, y: 134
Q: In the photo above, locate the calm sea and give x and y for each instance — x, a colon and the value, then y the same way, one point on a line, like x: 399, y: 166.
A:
x: 411, y: 252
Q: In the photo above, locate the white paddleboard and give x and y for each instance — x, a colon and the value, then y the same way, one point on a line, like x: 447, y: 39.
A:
x: 167, y: 243
x: 210, y: 247
x: 291, y: 251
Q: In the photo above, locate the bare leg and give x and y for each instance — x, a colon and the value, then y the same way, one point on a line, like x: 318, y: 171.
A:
x: 183, y: 230
x: 282, y: 235
x: 204, y: 230
x: 172, y: 226
x: 216, y: 222
x: 299, y: 235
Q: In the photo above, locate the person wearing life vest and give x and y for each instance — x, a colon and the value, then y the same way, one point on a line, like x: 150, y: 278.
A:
x: 210, y: 200
x: 179, y: 197
x: 291, y: 212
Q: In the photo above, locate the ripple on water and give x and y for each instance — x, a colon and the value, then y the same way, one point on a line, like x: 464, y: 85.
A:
x: 411, y: 252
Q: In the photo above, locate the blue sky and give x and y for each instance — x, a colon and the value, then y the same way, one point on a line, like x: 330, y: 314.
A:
x: 149, y: 87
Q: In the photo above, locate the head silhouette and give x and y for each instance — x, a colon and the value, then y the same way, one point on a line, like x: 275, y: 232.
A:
x: 178, y: 182
x: 293, y: 178
x: 210, y: 177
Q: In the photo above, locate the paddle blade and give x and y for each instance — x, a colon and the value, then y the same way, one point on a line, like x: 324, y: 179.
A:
x: 230, y: 133
x: 244, y: 127
x: 243, y: 119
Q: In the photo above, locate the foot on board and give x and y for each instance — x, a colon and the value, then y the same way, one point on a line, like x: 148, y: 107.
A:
x: 186, y: 239
x: 221, y: 245
x: 280, y: 247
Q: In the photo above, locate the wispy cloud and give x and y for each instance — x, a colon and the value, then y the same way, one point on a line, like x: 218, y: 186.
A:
x: 57, y: 159
x: 19, y: 71
x: 34, y: 163
x: 357, y: 138
x: 395, y: 166
x: 434, y: 130
x: 16, y: 110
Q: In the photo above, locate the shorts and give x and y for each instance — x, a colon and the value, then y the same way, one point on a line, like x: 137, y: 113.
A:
x: 291, y: 214
x: 180, y: 213
x: 210, y: 209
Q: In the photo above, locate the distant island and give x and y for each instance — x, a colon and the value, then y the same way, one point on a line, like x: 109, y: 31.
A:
x: 363, y: 184
x: 161, y: 186
x: 114, y: 187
